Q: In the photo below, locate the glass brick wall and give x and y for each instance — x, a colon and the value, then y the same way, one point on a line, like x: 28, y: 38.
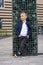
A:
x: 30, y: 7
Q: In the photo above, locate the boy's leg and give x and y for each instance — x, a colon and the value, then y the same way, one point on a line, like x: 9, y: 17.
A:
x: 22, y: 44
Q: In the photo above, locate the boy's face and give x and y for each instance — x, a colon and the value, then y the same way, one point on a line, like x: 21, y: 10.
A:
x: 23, y: 16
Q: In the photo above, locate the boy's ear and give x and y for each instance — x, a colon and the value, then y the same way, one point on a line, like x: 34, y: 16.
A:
x: 26, y: 16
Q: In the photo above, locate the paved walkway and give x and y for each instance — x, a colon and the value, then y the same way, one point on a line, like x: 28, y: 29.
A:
x: 6, y: 57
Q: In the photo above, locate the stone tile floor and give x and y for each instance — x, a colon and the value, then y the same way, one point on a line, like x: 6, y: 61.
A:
x: 6, y: 57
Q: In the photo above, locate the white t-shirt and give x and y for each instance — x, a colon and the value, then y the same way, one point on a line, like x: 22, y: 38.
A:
x: 24, y: 30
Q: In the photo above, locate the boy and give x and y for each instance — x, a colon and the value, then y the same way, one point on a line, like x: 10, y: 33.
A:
x: 23, y: 31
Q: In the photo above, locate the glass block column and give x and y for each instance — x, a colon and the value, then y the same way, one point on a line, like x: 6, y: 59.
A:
x: 30, y: 7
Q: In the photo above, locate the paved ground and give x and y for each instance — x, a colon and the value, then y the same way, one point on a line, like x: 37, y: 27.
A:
x: 6, y: 57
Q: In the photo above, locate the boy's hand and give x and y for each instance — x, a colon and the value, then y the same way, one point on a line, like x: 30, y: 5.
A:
x: 27, y: 36
x: 19, y: 36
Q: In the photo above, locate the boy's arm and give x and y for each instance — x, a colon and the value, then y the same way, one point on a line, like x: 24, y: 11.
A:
x: 17, y: 29
x: 29, y: 29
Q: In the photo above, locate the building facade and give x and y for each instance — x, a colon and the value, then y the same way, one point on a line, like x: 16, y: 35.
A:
x: 40, y: 16
x: 6, y: 16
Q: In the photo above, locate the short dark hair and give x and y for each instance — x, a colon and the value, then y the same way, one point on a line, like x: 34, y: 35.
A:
x: 23, y: 12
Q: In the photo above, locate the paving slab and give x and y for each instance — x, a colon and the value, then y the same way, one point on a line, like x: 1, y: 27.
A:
x: 6, y: 57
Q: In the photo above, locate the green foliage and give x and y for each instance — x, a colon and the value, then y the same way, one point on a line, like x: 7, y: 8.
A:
x: 30, y: 7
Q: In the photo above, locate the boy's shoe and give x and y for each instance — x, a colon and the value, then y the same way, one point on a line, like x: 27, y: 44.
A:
x: 19, y: 54
x: 15, y: 55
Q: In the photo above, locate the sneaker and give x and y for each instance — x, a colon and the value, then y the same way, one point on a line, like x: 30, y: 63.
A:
x: 19, y: 53
x: 15, y: 55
